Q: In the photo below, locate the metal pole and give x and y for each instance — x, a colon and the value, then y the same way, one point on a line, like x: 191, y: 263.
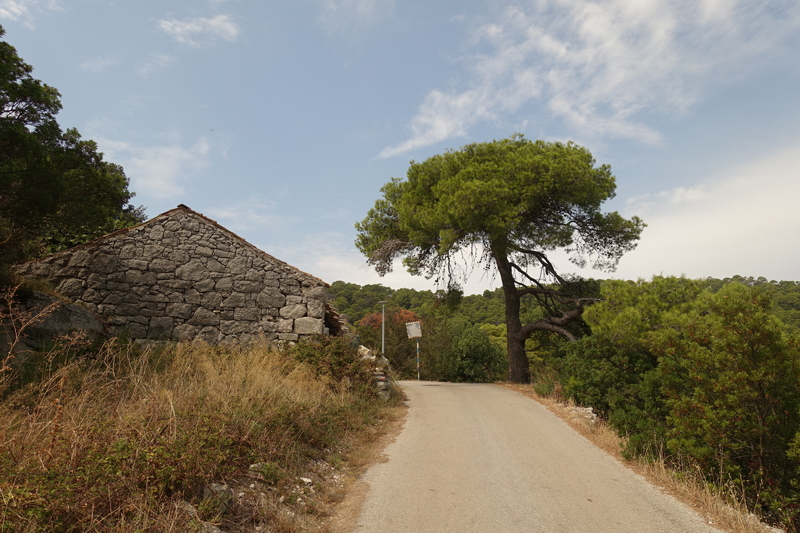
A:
x: 417, y: 359
x: 383, y: 328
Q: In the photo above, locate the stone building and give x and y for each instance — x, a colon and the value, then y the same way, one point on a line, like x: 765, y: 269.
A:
x: 182, y: 276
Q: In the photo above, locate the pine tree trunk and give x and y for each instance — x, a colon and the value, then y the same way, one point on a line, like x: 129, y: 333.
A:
x: 518, y: 367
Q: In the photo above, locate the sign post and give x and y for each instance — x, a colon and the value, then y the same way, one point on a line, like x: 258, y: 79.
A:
x: 414, y: 330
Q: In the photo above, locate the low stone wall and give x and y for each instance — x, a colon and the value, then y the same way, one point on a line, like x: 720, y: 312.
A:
x: 183, y: 276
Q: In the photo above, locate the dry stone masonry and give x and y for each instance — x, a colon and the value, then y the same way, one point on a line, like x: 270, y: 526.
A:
x: 182, y: 276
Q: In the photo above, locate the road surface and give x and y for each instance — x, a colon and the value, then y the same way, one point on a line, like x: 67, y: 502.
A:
x: 483, y: 458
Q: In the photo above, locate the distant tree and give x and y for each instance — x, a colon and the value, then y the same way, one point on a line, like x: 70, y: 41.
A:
x: 505, y: 204
x: 55, y: 188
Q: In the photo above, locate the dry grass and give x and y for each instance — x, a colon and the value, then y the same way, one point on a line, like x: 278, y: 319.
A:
x: 126, y: 439
x: 723, y: 508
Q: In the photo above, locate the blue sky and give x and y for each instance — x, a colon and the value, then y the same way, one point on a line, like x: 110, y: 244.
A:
x: 281, y: 120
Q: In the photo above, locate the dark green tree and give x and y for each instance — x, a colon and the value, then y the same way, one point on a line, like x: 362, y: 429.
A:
x: 55, y: 188
x: 505, y: 204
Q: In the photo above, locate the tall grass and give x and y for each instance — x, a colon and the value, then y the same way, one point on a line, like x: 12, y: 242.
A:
x: 119, y: 439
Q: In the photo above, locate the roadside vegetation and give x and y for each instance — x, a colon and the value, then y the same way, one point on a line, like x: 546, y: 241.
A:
x: 120, y: 437
x: 698, y: 377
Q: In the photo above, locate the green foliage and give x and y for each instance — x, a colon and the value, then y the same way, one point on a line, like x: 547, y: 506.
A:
x: 730, y: 380
x: 506, y: 204
x: 474, y: 357
x: 55, y: 188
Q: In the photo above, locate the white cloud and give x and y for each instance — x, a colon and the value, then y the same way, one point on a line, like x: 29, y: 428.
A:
x: 155, y: 63
x: 345, y: 17
x: 742, y: 221
x: 158, y: 172
x: 199, y: 31
x: 602, y: 65
x: 97, y: 64
x: 21, y: 10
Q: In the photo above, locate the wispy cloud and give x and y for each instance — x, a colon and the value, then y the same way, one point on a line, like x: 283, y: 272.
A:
x: 155, y: 63
x: 250, y: 215
x: 159, y: 172
x: 601, y: 66
x: 345, y: 17
x: 199, y: 31
x: 97, y: 64
x: 22, y: 10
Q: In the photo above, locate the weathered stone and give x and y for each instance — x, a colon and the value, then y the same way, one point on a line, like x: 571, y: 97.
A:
x: 249, y: 314
x: 93, y: 296
x: 127, y: 309
x: 254, y: 275
x: 137, y: 331
x: 185, y: 311
x: 294, y: 300
x: 140, y: 278
x: 185, y: 332
x: 160, y: 328
x: 204, y: 251
x: 156, y: 234
x: 285, y: 326
x: 288, y: 336
x: 212, y: 300
x: 153, y: 296
x: 114, y: 286
x: 194, y: 270
x: 215, y: 266
x: 80, y: 258
x: 96, y: 281
x: 104, y: 264
x: 208, y: 334
x: 314, y: 293
x: 247, y: 286
x: 72, y: 288
x: 204, y: 317
x: 224, y: 284
x: 308, y: 326
x: 192, y: 297
x: 179, y: 257
x: 293, y: 311
x: 205, y: 285
x: 268, y: 327
x: 234, y: 300
x: 162, y: 265
x: 239, y: 265
x: 270, y: 297
x: 114, y: 298
x: 226, y: 314
x: 316, y: 309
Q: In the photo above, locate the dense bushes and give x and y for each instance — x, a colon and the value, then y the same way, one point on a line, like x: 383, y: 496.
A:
x: 450, y: 349
x: 708, y: 378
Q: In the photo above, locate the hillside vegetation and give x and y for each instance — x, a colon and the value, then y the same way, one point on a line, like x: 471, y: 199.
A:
x: 121, y: 438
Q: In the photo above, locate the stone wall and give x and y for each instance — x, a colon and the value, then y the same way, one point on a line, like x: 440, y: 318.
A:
x: 182, y: 276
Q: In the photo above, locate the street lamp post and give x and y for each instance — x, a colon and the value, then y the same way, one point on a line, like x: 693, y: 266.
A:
x: 383, y: 328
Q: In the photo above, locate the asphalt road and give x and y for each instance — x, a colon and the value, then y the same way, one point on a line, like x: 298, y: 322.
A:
x: 483, y: 458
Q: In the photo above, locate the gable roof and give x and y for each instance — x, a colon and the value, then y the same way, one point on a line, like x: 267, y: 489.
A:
x: 168, y: 214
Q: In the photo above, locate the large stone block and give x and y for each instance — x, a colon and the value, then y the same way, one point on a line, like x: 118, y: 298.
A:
x: 185, y: 332
x: 285, y: 326
x: 72, y: 288
x: 204, y: 317
x: 215, y: 266
x: 224, y: 284
x: 271, y: 297
x: 308, y: 326
x: 250, y: 314
x: 316, y: 309
x: 104, y: 264
x: 293, y: 311
x: 208, y: 334
x: 161, y: 265
x: 185, y: 311
x: 212, y: 300
x: 314, y: 293
x: 205, y: 285
x: 194, y: 270
x: 156, y: 233
x: 234, y: 300
x: 160, y: 328
x: 247, y: 286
